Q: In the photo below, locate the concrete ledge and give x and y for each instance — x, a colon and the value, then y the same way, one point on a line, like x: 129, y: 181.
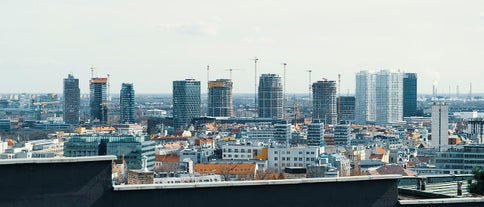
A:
x: 442, y: 201
x: 254, y: 183
x: 57, y: 160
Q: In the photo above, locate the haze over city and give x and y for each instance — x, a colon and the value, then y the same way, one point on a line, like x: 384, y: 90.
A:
x: 152, y: 43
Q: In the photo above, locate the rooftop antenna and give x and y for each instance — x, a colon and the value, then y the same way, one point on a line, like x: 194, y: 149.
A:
x: 284, y: 92
x: 255, y: 82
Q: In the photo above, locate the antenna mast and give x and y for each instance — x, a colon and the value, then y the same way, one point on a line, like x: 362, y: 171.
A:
x: 309, y: 95
x: 339, y: 98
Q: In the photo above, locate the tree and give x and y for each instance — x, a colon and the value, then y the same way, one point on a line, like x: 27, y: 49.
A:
x: 476, y: 183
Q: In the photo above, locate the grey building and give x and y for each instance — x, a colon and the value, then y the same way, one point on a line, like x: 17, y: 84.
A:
x: 126, y: 103
x: 409, y: 94
x: 282, y: 133
x: 315, y: 136
x: 220, y: 98
x: 186, y: 102
x: 324, y: 101
x: 270, y: 96
x: 342, y: 134
x: 72, y: 100
x: 130, y: 147
x: 346, y: 108
x: 98, y: 100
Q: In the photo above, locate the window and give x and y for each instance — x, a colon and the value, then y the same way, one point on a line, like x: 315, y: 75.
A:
x: 242, y: 150
x: 312, y: 159
x: 238, y: 156
x: 236, y: 150
x: 275, y: 158
x: 300, y: 159
x: 307, y: 158
x: 283, y: 158
x: 275, y: 152
x: 295, y: 158
x: 288, y: 152
x: 300, y: 152
x: 312, y: 153
x: 249, y: 150
x: 307, y: 153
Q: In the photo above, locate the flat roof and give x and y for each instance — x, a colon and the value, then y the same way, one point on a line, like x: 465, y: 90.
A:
x: 446, y: 201
x: 253, y: 183
x: 57, y: 160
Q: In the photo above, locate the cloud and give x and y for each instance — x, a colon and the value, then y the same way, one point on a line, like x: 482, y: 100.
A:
x: 202, y: 28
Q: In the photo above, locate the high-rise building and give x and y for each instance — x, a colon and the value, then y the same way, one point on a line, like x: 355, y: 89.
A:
x: 72, y: 100
x: 126, y: 103
x: 409, y: 94
x: 98, y: 100
x: 342, y: 134
x: 346, y: 109
x: 440, y: 122
x: 389, y: 97
x: 324, y: 101
x: 270, y: 96
x: 220, y: 98
x: 315, y: 136
x: 379, y: 97
x: 282, y: 133
x: 186, y: 102
x: 365, y: 97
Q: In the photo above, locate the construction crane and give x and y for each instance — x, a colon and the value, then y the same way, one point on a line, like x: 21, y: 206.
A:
x: 309, y: 95
x: 208, y: 73
x: 339, y: 98
x: 284, y: 92
x: 255, y: 83
x: 231, y: 69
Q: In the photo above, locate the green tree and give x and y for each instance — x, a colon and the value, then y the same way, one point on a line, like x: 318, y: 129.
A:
x: 476, y: 183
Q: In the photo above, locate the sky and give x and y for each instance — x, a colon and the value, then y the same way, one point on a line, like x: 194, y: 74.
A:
x: 152, y: 43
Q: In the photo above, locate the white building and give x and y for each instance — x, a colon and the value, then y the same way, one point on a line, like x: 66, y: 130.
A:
x: 279, y: 158
x: 365, y: 97
x: 440, y: 123
x: 389, y: 97
x: 241, y: 152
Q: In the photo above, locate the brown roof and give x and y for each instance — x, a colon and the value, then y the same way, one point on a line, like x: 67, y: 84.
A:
x: 167, y: 158
x: 392, y: 169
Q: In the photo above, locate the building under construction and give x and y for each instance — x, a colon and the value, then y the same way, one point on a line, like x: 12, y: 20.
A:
x: 98, y: 100
x: 220, y: 98
x: 324, y: 101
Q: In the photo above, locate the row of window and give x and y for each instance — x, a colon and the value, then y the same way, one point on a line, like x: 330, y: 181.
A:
x: 289, y: 152
x: 294, y: 159
x: 237, y: 150
x: 289, y: 165
x: 237, y: 156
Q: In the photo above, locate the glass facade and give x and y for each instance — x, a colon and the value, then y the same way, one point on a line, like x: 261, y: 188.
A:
x: 220, y: 98
x: 126, y: 103
x: 324, y: 101
x: 72, y: 100
x: 409, y: 94
x: 131, y: 148
x: 98, y: 99
x: 270, y: 96
x: 186, y: 102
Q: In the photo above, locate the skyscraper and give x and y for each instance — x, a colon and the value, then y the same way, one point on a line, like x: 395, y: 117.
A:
x: 389, y: 97
x: 72, y: 100
x: 409, y: 94
x: 346, y: 109
x: 186, y: 102
x: 98, y: 100
x: 220, y: 98
x: 365, y: 107
x: 440, y: 122
x: 270, y: 96
x: 324, y: 101
x: 379, y: 97
x: 126, y: 103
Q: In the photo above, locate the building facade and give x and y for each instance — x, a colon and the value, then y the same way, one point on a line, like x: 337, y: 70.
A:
x: 342, y: 134
x: 409, y: 94
x: 324, y: 101
x: 131, y: 148
x: 72, y: 100
x: 126, y: 103
x: 389, y: 97
x: 186, y: 102
x: 365, y: 97
x: 280, y: 158
x: 270, y: 96
x: 282, y: 133
x: 346, y: 109
x: 220, y: 98
x: 440, y: 124
x: 98, y: 100
x: 315, y: 136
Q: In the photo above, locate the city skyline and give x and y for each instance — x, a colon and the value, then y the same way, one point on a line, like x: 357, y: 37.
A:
x: 151, y: 44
